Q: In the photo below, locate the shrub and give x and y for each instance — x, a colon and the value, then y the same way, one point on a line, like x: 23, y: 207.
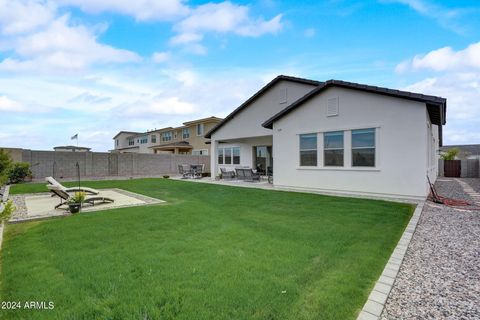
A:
x: 78, y: 197
x: 450, y: 154
x: 7, y: 211
x: 19, y: 171
x: 5, y: 164
x: 5, y: 161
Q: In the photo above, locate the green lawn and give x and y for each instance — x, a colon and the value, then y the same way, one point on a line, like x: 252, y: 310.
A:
x: 210, y: 252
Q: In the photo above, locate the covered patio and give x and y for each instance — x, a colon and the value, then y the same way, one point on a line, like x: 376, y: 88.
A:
x: 250, y: 152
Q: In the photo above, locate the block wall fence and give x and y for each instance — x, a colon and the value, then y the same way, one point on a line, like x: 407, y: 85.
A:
x: 61, y: 164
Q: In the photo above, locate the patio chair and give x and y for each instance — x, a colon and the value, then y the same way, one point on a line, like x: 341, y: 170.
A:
x: 250, y: 175
x: 197, y: 170
x: 227, y: 174
x: 185, y: 170
x: 54, y: 182
x: 64, y: 197
x: 240, y: 173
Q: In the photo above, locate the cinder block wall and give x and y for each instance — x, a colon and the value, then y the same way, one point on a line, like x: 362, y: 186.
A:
x: 101, y: 164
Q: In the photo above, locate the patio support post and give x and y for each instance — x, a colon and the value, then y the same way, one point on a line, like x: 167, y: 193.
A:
x: 213, y: 159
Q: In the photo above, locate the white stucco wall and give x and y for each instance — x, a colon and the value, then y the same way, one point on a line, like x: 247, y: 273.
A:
x: 248, y: 122
x: 401, y: 145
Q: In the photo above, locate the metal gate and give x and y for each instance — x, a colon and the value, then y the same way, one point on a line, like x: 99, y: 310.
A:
x: 452, y: 168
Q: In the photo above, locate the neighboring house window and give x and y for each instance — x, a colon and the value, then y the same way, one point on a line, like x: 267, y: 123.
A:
x: 200, y: 128
x: 220, y: 156
x: 227, y: 155
x: 186, y: 133
x: 153, y: 138
x: 363, y: 148
x: 202, y: 152
x: 116, y: 142
x: 236, y: 155
x: 175, y: 135
x: 333, y: 148
x: 308, y: 149
x: 143, y: 139
x: 167, y: 136
x: 131, y: 141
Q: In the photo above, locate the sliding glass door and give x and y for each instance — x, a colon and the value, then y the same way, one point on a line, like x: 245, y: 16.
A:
x: 262, y: 159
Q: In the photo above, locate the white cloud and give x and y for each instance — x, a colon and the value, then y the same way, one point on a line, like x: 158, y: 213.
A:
x: 221, y: 18
x: 158, y: 106
x: 309, y: 33
x: 23, y: 16
x: 446, y: 17
x: 63, y: 46
x: 141, y: 10
x: 185, y: 38
x: 160, y: 57
x: 457, y: 78
x: 445, y: 59
x: 9, y: 105
x: 227, y: 17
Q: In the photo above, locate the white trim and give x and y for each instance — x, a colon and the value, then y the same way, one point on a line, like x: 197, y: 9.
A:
x: 371, y: 126
x: 337, y: 168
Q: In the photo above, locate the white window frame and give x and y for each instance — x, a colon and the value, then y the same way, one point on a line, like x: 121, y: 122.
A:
x: 202, y: 126
x: 358, y: 148
x: 328, y: 149
x: 300, y: 149
x: 185, y: 133
x: 166, y: 136
x: 224, y: 149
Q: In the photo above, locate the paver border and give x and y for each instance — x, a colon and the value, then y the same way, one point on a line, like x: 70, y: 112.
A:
x: 373, y: 308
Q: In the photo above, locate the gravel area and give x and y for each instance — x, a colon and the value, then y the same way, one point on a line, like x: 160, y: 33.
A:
x: 440, y: 274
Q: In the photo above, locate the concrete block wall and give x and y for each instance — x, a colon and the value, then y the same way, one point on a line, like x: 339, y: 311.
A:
x: 100, y: 164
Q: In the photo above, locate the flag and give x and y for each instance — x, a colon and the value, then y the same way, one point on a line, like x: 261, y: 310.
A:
x: 74, y: 137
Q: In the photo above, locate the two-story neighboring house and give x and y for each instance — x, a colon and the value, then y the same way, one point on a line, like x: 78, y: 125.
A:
x: 187, y: 139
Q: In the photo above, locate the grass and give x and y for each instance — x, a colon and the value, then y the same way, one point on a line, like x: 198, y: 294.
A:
x: 211, y: 252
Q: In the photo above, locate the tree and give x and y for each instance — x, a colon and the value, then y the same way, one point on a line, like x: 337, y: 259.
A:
x: 5, y: 164
x: 450, y: 154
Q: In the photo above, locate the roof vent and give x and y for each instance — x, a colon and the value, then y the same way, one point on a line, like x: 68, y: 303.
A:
x: 332, y: 107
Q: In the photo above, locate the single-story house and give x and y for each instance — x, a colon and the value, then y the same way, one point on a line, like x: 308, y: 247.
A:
x: 334, y: 137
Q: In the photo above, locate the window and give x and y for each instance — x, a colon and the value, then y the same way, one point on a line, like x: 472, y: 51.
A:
x: 227, y: 155
x: 167, y: 136
x: 175, y: 135
x: 220, y: 156
x: 236, y: 155
x: 363, y: 148
x: 153, y: 138
x: 186, y: 133
x: 131, y: 141
x: 202, y: 152
x: 116, y: 142
x: 308, y: 149
x: 333, y: 148
x: 200, y: 128
x: 143, y: 139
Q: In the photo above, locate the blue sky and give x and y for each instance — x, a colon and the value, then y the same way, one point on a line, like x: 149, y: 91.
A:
x: 96, y: 67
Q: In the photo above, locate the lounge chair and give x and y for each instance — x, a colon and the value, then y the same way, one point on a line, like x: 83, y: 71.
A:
x: 250, y: 175
x: 54, y: 182
x: 240, y: 173
x: 227, y: 174
x: 197, y: 170
x: 185, y: 170
x: 64, y: 197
